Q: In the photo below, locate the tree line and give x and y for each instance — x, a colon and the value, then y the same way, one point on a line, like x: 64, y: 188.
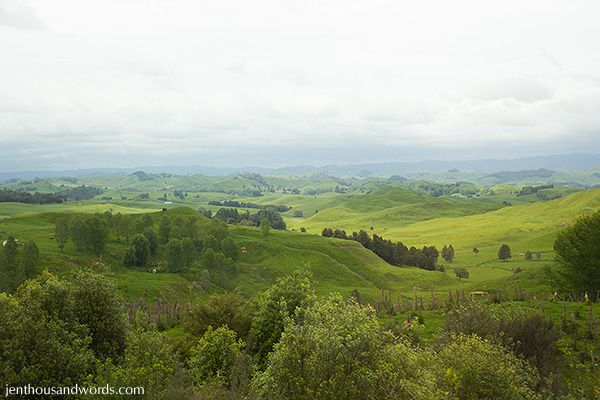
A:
x: 395, y: 253
x: 233, y: 216
x: 238, y: 204
x: 30, y: 198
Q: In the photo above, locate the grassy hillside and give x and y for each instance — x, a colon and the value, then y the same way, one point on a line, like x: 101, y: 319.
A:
x: 389, y: 207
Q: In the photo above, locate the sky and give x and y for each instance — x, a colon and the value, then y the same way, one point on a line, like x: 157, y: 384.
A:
x: 122, y: 83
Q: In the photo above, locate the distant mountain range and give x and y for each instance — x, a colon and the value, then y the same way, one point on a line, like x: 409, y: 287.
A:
x: 558, y: 162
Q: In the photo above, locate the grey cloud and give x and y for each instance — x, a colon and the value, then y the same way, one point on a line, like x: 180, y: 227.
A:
x: 17, y: 14
x: 525, y: 89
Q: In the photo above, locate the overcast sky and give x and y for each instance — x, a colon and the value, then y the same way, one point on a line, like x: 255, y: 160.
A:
x: 270, y: 83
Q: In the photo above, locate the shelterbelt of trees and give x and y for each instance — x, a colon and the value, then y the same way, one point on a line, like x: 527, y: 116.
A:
x: 77, y: 193
x: 395, y: 253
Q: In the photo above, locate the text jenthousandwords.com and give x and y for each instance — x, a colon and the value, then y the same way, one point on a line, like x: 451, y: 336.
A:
x: 30, y: 390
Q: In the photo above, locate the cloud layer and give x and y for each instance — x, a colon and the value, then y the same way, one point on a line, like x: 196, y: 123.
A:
x: 125, y: 83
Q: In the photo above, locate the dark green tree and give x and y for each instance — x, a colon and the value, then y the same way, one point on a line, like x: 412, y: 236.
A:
x: 577, y: 251
x: 189, y: 252
x: 265, y: 227
x: 30, y: 259
x: 164, y: 230
x: 275, y: 306
x: 229, y: 248
x: 152, y: 240
x: 504, y: 252
x: 461, y: 273
x: 97, y: 305
x: 175, y: 255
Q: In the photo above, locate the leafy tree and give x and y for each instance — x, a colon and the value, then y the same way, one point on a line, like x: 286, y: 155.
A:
x: 189, y: 252
x: 528, y: 256
x: 175, y: 254
x: 277, y: 304
x: 61, y: 232
x: 264, y: 227
x: 448, y: 253
x: 164, y: 229
x: 150, y: 360
x: 210, y: 242
x: 97, y: 306
x: 11, y: 272
x: 470, y: 368
x: 338, y: 350
x: 42, y: 341
x: 141, y: 250
x: 215, y: 353
x: 461, y: 273
x: 221, y: 310
x: 230, y: 249
x: 504, y: 252
x: 528, y: 335
x: 475, y: 250
x: 152, y: 240
x: 89, y: 232
x: 577, y: 251
x: 9, y: 250
x: 29, y: 259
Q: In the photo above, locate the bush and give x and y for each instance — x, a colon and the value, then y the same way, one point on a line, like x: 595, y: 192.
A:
x: 471, y: 368
x: 215, y: 354
x: 339, y: 351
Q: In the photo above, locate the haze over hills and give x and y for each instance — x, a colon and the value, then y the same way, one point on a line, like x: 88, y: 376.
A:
x: 557, y: 162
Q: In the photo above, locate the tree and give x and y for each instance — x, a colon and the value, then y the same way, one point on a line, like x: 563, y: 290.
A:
x: 164, y: 229
x: 97, y: 305
x: 577, y: 251
x: 141, y: 250
x: 275, y: 306
x: 189, y: 252
x: 230, y: 249
x: 340, y: 351
x: 42, y: 341
x: 327, y: 232
x: 215, y: 353
x: 9, y: 249
x: 29, y: 259
x: 61, y: 232
x: 150, y: 360
x: 475, y: 250
x: 222, y: 309
x: 528, y: 256
x: 448, y: 253
x: 470, y: 368
x: 11, y: 272
x: 529, y: 336
x: 210, y: 242
x: 152, y: 240
x: 461, y: 273
x: 504, y: 252
x: 264, y: 227
x: 176, y: 261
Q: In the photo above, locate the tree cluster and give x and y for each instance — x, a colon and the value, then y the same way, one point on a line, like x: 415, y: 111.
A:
x: 30, y: 198
x: 233, y: 216
x: 238, y: 204
x: 395, y: 253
